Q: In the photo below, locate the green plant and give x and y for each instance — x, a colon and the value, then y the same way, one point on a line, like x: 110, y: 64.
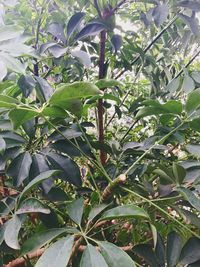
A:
x: 99, y: 133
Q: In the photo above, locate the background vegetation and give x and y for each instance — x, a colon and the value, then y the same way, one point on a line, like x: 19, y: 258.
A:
x: 99, y: 133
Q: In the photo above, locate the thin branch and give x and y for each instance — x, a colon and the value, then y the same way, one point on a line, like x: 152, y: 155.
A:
x: 117, y: 7
x: 97, y: 8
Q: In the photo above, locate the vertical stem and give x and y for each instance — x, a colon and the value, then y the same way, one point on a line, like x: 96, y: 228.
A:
x: 100, y: 102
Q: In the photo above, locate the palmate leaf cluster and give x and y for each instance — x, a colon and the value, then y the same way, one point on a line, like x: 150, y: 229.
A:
x: 61, y: 204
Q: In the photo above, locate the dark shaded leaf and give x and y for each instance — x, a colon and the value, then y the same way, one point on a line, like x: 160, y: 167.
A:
x: 73, y: 23
x: 26, y: 83
x: 191, y: 251
x: 160, y: 14
x: 44, y: 90
x: 69, y: 169
x: 174, y: 246
x: 19, y: 168
x: 192, y: 23
x: 91, y: 29
x: 190, y: 197
x: 116, y: 42
x: 147, y: 253
x: 194, y: 5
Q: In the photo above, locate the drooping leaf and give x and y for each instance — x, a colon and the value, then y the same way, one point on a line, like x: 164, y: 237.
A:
x: 188, y: 84
x: 19, y: 168
x: 126, y: 211
x: 75, y: 210
x: 43, y: 88
x: 173, y: 86
x: 96, y: 211
x: 160, y: 14
x: 192, y: 23
x: 26, y: 83
x: 8, y: 102
x: 91, y: 29
x: 39, y: 165
x: 57, y: 30
x: 146, y: 252
x: 193, y: 101
x: 57, y: 51
x: 92, y: 258
x: 70, y: 92
x: 114, y: 256
x: 73, y: 23
x: 31, y: 205
x: 12, y: 231
x: 194, y: 5
x: 160, y: 250
x: 190, y: 197
x: 196, y: 76
x: 179, y: 172
x: 116, y: 42
x: 37, y: 180
x: 69, y: 170
x: 191, y: 251
x: 54, y: 112
x: 174, y: 246
x: 57, y: 254
x: 83, y: 57
x: 40, y: 239
x: 20, y: 115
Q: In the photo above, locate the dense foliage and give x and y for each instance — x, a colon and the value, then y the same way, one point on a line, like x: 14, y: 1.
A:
x: 99, y: 133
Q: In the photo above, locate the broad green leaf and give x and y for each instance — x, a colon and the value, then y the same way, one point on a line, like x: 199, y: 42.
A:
x: 188, y: 84
x: 31, y: 205
x: 20, y: 115
x: 75, y: 210
x: 92, y: 258
x: 114, y: 256
x: 96, y: 211
x: 19, y: 168
x: 190, y: 197
x: 37, y: 180
x: 70, y: 92
x: 12, y: 231
x: 126, y: 211
x: 8, y: 102
x: 57, y: 254
x: 149, y: 111
x: 174, y: 246
x: 195, y: 124
x: 179, y: 173
x: 190, y: 252
x: 54, y: 112
x: 193, y: 101
x: 106, y: 83
x: 42, y: 238
x: 189, y: 217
